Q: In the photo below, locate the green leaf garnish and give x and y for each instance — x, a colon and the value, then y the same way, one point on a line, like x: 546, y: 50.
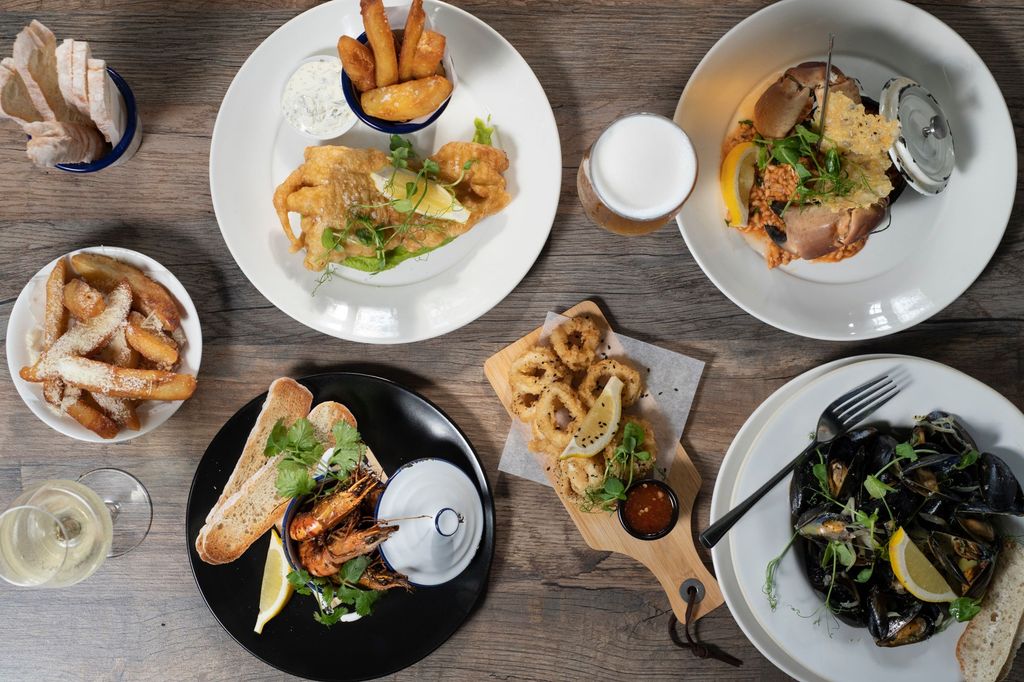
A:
x: 876, y: 488
x: 293, y: 480
x: 352, y: 570
x: 298, y: 580
x: 964, y: 608
x: 483, y: 131
x: 967, y: 459
x: 906, y: 451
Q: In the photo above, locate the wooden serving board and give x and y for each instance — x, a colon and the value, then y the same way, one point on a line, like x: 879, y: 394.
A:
x: 672, y: 559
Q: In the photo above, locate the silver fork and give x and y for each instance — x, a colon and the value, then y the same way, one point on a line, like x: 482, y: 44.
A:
x: 843, y: 414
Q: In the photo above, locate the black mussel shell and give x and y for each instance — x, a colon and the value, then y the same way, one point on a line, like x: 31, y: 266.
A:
x: 897, y: 620
x: 1000, y: 489
x: 967, y: 565
x: 825, y: 526
x: 803, y: 488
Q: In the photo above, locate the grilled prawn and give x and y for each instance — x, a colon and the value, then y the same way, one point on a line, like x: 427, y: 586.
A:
x: 324, y: 555
x: 326, y: 513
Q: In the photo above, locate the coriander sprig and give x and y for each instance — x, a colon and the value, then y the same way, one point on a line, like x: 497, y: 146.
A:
x: 301, y: 453
x: 342, y: 587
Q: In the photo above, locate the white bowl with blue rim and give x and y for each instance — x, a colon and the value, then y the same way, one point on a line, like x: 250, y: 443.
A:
x: 440, y: 521
x: 129, y: 142
x: 398, y: 127
x: 291, y: 548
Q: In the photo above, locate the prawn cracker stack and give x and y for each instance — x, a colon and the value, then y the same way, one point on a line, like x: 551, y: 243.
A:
x: 552, y: 387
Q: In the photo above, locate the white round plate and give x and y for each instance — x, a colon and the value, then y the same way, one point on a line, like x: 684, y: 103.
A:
x: 27, y: 316
x: 254, y: 149
x: 794, y: 642
x: 923, y: 261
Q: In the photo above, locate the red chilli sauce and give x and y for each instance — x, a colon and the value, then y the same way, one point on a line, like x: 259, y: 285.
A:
x: 649, y: 509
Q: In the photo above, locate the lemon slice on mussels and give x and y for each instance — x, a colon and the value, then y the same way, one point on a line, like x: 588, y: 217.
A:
x: 600, y: 425
x: 737, y: 179
x: 915, y: 572
x: 425, y: 197
x: 275, y: 590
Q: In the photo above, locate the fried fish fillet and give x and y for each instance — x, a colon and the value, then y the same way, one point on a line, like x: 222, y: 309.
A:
x: 333, y: 189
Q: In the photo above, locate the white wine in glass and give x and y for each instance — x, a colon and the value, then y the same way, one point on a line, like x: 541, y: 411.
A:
x: 58, y: 532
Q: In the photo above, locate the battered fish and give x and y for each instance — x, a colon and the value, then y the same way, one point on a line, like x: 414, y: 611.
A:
x: 333, y: 189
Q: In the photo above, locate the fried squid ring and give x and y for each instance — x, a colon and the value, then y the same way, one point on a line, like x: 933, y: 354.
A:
x: 597, y: 376
x: 524, y: 404
x: 640, y: 468
x: 576, y: 342
x: 535, y: 369
x: 557, y: 414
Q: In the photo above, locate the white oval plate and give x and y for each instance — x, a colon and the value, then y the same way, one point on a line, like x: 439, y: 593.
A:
x: 794, y: 642
x: 924, y: 261
x: 253, y: 149
x: 27, y: 316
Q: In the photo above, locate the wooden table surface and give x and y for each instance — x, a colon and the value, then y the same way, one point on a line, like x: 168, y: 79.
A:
x: 555, y: 609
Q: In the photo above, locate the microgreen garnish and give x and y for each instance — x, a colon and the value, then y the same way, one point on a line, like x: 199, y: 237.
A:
x: 393, y: 241
x: 964, y: 608
x: 967, y: 459
x: 484, y: 131
x: 770, y: 588
x: 622, y: 464
x: 826, y: 175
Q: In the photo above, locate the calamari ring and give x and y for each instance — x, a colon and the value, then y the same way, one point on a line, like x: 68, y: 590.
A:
x: 649, y: 444
x: 535, y: 369
x: 597, y: 376
x: 576, y: 342
x: 524, y: 404
x: 554, y: 399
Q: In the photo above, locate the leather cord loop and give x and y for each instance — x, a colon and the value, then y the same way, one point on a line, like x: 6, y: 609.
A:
x: 699, y: 649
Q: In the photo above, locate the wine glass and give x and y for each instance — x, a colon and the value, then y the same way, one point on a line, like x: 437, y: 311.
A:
x: 58, y: 532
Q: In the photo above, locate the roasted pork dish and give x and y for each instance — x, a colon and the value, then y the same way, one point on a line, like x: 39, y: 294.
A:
x: 368, y: 210
x: 802, y: 188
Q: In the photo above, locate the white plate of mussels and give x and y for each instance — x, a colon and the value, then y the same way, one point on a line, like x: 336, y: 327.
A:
x: 878, y: 634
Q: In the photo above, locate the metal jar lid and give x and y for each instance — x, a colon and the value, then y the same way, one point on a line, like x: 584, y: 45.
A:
x: 923, y: 153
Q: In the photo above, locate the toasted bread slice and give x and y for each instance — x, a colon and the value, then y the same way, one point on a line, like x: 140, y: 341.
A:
x: 324, y: 416
x: 243, y: 518
x: 35, y: 57
x: 72, y: 69
x: 287, y: 400
x: 251, y: 511
x: 54, y: 143
x: 106, y: 106
x: 986, y: 645
x: 15, y: 103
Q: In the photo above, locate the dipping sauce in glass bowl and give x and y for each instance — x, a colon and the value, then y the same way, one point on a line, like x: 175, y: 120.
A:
x: 313, y: 102
x: 650, y: 511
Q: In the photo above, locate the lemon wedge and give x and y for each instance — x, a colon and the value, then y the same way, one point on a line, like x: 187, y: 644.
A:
x: 915, y: 572
x: 599, y: 426
x: 429, y: 198
x: 737, y: 179
x: 275, y: 590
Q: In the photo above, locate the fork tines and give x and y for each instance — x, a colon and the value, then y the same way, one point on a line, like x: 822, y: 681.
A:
x: 866, y: 399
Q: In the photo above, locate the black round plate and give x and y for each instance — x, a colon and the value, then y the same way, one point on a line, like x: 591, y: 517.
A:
x: 399, y: 426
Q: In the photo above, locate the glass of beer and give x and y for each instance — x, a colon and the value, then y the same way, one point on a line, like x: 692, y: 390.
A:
x: 636, y: 176
x: 58, y: 532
